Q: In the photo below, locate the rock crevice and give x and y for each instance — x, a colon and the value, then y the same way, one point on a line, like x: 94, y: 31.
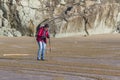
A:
x: 65, y: 17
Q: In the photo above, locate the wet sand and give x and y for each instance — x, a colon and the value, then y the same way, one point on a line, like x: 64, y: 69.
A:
x: 95, y: 57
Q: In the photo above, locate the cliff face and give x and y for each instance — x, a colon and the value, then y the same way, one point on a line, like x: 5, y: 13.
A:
x: 20, y: 16
x: 65, y: 17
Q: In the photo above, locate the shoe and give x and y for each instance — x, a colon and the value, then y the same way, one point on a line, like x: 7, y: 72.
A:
x: 38, y: 59
x: 43, y: 59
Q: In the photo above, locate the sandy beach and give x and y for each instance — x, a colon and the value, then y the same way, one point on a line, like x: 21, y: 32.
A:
x: 95, y: 57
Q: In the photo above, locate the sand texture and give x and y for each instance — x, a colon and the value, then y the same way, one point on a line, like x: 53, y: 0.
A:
x: 94, y: 57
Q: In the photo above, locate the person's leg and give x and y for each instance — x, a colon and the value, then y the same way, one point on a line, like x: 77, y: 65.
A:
x: 43, y: 51
x: 39, y: 50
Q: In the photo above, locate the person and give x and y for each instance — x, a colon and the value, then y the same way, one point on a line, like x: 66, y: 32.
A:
x: 42, y: 35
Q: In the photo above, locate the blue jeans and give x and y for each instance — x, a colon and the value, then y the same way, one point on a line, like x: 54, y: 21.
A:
x: 41, y: 50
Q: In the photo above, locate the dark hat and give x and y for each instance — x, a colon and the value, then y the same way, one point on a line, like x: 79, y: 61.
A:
x: 46, y: 26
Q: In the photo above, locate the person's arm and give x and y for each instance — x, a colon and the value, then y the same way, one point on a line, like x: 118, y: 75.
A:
x: 47, y: 34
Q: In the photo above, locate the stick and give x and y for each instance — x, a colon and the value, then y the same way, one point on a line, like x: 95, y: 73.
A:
x: 50, y: 45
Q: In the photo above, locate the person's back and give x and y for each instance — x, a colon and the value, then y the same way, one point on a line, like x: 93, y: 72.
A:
x: 42, y: 34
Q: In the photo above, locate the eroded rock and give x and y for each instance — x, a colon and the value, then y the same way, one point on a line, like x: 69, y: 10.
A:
x: 84, y: 17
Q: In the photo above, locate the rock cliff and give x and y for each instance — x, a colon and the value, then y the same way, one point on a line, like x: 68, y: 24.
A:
x: 65, y: 17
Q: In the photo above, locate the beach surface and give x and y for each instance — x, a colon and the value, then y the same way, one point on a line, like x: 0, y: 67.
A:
x: 95, y: 57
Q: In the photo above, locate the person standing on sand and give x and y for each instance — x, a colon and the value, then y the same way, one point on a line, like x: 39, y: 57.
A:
x: 41, y: 37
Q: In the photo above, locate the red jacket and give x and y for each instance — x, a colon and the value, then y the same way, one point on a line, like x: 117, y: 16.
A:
x: 42, y: 35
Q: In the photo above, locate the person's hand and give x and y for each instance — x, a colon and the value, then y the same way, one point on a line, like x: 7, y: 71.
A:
x: 48, y: 37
